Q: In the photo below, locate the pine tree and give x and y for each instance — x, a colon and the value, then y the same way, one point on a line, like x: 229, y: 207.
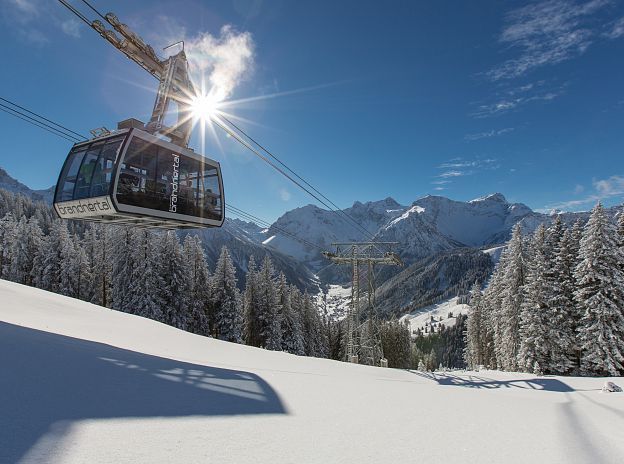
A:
x: 174, y: 271
x: 564, y: 315
x: 251, y: 326
x: 200, y: 305
x: 292, y: 331
x: 145, y: 282
x: 226, y: 299
x: 97, y: 246
x: 53, y: 250
x: 535, y: 342
x: 474, y: 354
x: 8, y: 245
x: 270, y: 333
x: 508, y: 337
x: 122, y: 239
x: 600, y: 283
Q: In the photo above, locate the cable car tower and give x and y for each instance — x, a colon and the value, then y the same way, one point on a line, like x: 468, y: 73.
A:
x: 363, y: 328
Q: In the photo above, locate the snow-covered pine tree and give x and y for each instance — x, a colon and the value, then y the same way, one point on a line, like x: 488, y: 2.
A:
x: 145, y: 282
x: 226, y: 299
x: 31, y: 236
x: 82, y: 280
x: 251, y: 325
x: 474, y: 327
x: 200, y: 305
x: 600, y: 283
x: 268, y: 316
x: 314, y: 335
x: 122, y: 238
x: 52, y: 257
x: 9, y: 244
x: 508, y: 337
x: 292, y: 330
x: 97, y: 244
x: 535, y: 342
x: 174, y: 272
x: 564, y: 315
x: 491, y: 316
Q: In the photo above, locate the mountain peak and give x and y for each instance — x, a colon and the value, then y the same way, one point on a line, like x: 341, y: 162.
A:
x: 492, y: 197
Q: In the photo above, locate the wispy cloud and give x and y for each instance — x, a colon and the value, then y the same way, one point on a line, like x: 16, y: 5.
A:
x: 460, y: 167
x: 616, y: 29
x: 603, y: 189
x: 449, y: 174
x: 546, y: 33
x: 488, y: 134
x: 284, y: 194
x: 71, y: 27
x: 517, y: 97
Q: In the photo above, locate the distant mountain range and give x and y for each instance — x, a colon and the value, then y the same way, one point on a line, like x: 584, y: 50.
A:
x: 437, y: 240
x: 9, y: 183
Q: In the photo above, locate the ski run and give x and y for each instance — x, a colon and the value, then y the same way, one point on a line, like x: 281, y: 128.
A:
x: 82, y: 383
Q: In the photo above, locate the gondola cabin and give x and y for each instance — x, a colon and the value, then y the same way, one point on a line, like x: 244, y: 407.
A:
x: 132, y: 177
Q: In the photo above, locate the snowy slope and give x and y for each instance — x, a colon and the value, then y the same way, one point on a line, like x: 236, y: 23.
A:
x: 436, y: 315
x: 82, y: 383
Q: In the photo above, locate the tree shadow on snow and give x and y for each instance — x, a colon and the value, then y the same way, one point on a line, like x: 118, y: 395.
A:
x: 475, y: 381
x: 49, y: 379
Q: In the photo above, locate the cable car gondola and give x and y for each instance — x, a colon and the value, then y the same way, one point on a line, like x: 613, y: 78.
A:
x: 132, y: 177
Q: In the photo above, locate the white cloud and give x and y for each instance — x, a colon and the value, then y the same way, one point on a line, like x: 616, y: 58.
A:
x: 71, y: 27
x: 505, y: 104
x: 604, y: 189
x: 546, y: 33
x: 617, y: 29
x: 448, y: 174
x: 224, y: 60
x: 488, y: 134
x: 612, y: 186
x: 578, y: 189
x: 284, y: 194
x: 26, y: 7
x: 439, y: 188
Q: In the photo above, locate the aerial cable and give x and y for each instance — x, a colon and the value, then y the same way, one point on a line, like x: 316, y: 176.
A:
x: 95, y: 10
x: 32, y: 121
x: 277, y: 168
x: 337, y: 208
x: 76, y: 12
x: 70, y: 132
x: 250, y: 217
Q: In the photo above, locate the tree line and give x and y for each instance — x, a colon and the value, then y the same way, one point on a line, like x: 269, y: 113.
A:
x: 153, y: 275
x: 555, y: 302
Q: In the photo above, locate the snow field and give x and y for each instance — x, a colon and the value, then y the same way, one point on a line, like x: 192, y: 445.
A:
x: 82, y: 383
x: 420, y: 318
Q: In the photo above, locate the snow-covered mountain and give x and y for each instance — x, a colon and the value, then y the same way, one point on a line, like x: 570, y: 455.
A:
x: 12, y: 185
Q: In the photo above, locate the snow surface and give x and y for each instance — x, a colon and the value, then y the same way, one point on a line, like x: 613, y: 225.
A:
x: 81, y: 383
x: 421, y: 317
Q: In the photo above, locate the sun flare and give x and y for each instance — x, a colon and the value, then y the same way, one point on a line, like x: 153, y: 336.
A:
x: 204, y: 107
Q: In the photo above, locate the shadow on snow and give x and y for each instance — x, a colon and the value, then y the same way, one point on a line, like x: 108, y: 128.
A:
x: 474, y: 381
x: 47, y: 378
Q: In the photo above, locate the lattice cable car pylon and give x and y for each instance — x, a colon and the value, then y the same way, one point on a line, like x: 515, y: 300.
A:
x: 363, y: 338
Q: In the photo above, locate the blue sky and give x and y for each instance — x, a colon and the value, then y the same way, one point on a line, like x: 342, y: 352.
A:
x: 400, y: 99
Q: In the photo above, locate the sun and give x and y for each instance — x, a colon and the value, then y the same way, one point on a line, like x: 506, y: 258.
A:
x: 204, y: 107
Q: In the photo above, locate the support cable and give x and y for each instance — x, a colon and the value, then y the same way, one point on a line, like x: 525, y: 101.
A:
x: 32, y: 121
x: 335, y: 209
x: 69, y: 131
